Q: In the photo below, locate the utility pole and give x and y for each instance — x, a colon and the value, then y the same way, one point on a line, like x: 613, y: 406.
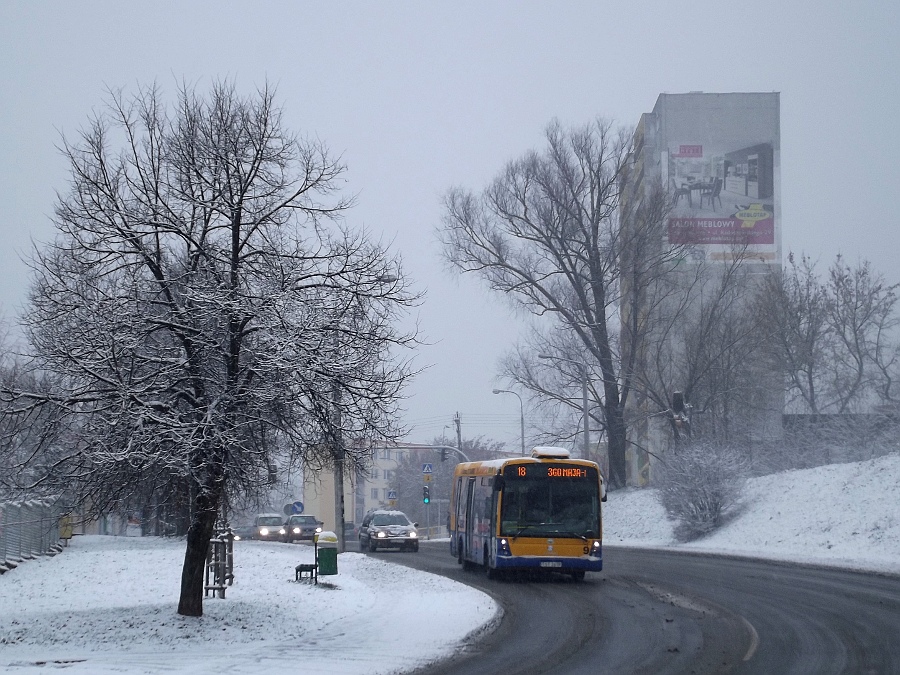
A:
x: 458, y: 422
x: 338, y: 469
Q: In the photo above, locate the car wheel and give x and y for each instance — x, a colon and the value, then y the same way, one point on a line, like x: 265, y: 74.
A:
x: 372, y: 545
x: 414, y: 548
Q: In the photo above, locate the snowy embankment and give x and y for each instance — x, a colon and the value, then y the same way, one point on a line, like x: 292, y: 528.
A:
x: 107, y: 604
x: 846, y: 515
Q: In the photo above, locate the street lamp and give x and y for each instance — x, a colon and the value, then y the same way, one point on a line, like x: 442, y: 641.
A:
x: 521, y: 413
x: 584, y: 397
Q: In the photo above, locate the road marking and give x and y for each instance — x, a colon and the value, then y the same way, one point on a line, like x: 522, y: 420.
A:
x: 687, y: 603
x: 754, y: 639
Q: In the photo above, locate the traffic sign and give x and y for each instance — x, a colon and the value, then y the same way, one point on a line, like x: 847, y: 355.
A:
x: 427, y: 478
x: 297, y: 508
x: 392, y: 494
x: 426, y: 468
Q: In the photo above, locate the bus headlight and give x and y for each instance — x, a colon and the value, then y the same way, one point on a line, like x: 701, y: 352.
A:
x: 595, y: 547
x: 503, y: 548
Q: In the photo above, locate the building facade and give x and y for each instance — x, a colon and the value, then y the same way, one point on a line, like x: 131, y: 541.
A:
x: 363, y: 490
x: 716, y: 157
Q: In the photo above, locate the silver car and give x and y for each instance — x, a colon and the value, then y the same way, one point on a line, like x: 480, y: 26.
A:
x: 268, y: 527
x: 388, y: 529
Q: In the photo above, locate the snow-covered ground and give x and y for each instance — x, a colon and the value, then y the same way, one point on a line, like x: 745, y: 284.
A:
x: 107, y: 604
x: 846, y: 515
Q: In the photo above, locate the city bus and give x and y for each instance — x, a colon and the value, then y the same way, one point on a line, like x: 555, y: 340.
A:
x: 539, y: 513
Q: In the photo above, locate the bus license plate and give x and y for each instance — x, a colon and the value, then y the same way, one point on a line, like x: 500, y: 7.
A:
x: 551, y: 564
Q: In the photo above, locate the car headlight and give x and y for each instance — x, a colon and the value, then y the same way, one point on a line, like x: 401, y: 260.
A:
x: 318, y: 529
x: 381, y: 535
x: 413, y: 535
x: 281, y: 531
x: 296, y: 530
x: 264, y: 531
x: 237, y: 537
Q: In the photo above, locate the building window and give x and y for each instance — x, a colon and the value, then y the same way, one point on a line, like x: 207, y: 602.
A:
x: 386, y: 453
x: 388, y: 474
x: 375, y: 494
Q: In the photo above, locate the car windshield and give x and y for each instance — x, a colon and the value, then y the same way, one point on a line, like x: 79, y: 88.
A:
x: 305, y: 520
x: 269, y: 520
x: 383, y: 519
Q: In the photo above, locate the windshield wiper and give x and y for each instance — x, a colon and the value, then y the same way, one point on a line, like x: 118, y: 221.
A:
x: 527, y: 527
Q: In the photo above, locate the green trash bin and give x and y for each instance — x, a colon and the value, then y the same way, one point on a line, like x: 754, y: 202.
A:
x: 326, y: 552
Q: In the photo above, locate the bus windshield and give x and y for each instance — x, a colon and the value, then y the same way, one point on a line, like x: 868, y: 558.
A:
x: 541, y: 500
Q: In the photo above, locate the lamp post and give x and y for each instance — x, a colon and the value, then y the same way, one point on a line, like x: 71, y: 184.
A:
x: 584, y: 398
x: 521, y: 413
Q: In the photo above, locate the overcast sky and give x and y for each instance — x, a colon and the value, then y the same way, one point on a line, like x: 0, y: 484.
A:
x: 422, y: 96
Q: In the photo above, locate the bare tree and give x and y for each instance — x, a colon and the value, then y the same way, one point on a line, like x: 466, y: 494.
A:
x: 862, y: 318
x: 202, y: 304
x: 834, y: 340
x: 549, y: 234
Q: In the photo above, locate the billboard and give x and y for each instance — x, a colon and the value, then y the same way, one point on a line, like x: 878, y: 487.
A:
x: 720, y: 164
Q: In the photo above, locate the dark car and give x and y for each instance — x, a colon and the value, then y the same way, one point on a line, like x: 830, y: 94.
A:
x: 301, y: 527
x: 387, y: 529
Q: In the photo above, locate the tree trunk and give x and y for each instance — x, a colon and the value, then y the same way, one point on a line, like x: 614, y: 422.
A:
x: 192, y: 573
x: 616, y: 436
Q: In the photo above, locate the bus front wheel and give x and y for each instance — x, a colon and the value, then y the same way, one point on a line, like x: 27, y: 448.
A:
x: 489, y: 571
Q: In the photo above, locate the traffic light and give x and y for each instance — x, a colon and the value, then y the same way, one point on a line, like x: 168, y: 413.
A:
x: 426, y: 495
x: 443, y: 454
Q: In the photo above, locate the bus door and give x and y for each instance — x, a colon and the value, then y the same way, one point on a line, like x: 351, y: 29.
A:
x: 470, y: 517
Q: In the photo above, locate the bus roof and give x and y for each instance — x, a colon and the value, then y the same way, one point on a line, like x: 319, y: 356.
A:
x: 493, y: 466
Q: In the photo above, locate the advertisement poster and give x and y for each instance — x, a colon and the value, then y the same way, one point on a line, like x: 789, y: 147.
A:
x: 723, y: 198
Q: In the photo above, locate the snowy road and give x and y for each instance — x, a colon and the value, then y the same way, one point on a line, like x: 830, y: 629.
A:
x: 662, y: 611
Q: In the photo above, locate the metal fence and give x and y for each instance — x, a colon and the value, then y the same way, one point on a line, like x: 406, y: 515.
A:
x: 28, y: 529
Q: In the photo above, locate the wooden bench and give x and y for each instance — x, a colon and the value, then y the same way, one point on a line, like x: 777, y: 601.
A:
x: 310, y: 569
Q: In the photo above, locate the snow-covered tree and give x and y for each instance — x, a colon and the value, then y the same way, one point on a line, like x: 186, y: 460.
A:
x: 207, y: 315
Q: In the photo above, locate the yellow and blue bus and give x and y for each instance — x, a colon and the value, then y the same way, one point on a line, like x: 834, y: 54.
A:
x: 528, y: 513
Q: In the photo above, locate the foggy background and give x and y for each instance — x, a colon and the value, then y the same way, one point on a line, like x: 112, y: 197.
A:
x: 419, y: 97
